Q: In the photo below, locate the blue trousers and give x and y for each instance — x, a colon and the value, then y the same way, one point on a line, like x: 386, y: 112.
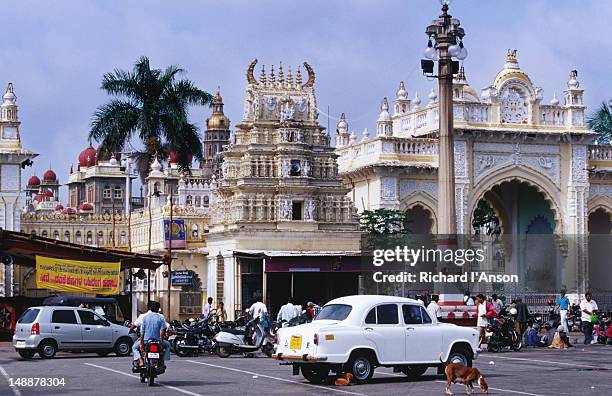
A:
x: 136, y: 350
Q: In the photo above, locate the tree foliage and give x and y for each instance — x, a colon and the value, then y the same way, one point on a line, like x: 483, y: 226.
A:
x: 601, y: 121
x: 384, y: 221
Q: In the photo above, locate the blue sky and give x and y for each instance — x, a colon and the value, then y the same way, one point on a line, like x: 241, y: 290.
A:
x: 56, y: 52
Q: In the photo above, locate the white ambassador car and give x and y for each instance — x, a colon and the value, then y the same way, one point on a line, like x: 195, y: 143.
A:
x: 358, y: 333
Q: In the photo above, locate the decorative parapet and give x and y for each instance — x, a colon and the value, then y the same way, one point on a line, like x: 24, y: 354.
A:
x: 407, y: 151
x: 66, y: 218
x: 600, y: 157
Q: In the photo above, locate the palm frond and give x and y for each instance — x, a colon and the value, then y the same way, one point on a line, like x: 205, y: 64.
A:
x: 116, y: 117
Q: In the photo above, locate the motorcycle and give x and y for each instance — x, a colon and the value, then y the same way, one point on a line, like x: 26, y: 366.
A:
x: 152, y: 362
x: 574, y: 318
x: 502, y: 334
x: 254, y: 337
x: 192, y: 339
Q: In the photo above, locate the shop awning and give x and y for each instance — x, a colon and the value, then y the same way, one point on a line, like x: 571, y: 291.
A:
x: 305, y: 261
x: 23, y: 248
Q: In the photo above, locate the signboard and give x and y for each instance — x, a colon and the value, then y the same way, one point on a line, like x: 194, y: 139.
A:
x: 77, y: 276
x: 182, y: 278
x: 179, y: 239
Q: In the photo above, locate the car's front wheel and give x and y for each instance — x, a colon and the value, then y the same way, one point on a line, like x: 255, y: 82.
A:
x: 414, y: 371
x: 316, y: 374
x: 362, y: 367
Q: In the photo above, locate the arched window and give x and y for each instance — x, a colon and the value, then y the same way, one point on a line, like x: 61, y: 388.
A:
x: 198, y: 201
x: 100, y: 238
x: 156, y: 187
x: 123, y: 238
x: 77, y: 237
x: 89, y: 239
x: 66, y: 236
x: 194, y: 231
x: 206, y: 201
x: 189, y: 200
x: 106, y: 193
x: 44, y: 234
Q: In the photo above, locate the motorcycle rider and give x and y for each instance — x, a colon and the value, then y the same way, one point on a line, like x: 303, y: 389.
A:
x: 155, y: 330
x: 286, y: 313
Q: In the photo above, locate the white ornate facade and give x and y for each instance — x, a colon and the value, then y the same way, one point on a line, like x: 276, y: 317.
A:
x: 507, y: 141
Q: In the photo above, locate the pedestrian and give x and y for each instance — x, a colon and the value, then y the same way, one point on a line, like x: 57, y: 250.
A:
x: 310, y: 307
x: 467, y: 299
x: 522, y: 316
x: 207, y: 307
x: 286, y: 313
x: 588, y: 307
x: 563, y: 303
x: 221, y: 313
x: 498, y: 304
x: 258, y: 309
x: 485, y: 313
x: 433, y: 309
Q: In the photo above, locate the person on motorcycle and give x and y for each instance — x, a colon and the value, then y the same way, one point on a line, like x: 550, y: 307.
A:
x: 152, y: 327
x: 286, y: 313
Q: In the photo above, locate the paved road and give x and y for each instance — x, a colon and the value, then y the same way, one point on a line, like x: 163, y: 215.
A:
x: 531, y: 372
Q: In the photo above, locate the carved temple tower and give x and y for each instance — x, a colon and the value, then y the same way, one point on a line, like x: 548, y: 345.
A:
x: 279, y: 194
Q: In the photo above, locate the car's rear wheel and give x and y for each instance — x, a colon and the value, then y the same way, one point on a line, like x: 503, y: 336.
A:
x: 47, y: 349
x: 461, y: 356
x: 316, y: 374
x: 414, y: 371
x: 362, y: 367
x: 26, y: 353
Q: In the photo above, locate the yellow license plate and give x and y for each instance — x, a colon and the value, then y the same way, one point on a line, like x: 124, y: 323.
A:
x: 296, y: 342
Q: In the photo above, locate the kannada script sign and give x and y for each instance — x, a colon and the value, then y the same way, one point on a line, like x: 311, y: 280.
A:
x: 77, y: 276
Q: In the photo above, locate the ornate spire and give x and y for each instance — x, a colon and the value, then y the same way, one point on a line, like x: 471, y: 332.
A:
x: 433, y: 96
x: 554, y: 101
x: 461, y: 75
x: 401, y: 93
x: 262, y: 75
x: 417, y: 100
x: 511, y: 60
x: 573, y: 82
x: 281, y: 77
x: 342, y: 126
x: 272, y: 77
x: 289, y: 79
x: 365, y: 135
x: 298, y: 78
x: 9, y: 97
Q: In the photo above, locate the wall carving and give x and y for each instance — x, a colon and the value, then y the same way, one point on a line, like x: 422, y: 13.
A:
x: 460, y: 158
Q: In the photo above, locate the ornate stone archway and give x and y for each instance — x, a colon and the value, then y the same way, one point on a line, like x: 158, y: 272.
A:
x: 525, y: 175
x: 424, y: 200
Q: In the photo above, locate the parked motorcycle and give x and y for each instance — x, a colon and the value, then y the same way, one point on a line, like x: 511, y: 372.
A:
x: 254, y: 337
x: 502, y: 334
x: 152, y: 362
x: 192, y: 339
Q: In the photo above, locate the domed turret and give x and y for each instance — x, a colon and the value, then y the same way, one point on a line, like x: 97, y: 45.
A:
x: 384, y: 124
x: 554, y: 101
x: 342, y: 133
x: 401, y: 93
x: 33, y: 181
x: 88, y: 157
x: 218, y: 120
x: 49, y: 176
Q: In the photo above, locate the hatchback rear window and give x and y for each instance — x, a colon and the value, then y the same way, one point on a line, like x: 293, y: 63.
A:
x: 29, y: 315
x: 334, y: 312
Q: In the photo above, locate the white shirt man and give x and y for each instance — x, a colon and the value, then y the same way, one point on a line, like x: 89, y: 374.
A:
x: 590, y: 307
x: 286, y: 313
x: 433, y: 309
x: 258, y: 309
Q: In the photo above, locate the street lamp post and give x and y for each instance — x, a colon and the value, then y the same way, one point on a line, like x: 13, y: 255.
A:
x: 447, y: 43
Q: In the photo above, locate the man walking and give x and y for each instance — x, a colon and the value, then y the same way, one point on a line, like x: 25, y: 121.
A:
x: 485, y: 313
x: 433, y: 309
x: 522, y: 316
x: 563, y: 303
x: 286, y: 313
x: 207, y: 307
x: 588, y: 307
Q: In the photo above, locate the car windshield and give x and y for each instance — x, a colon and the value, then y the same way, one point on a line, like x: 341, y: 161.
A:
x: 29, y: 315
x: 334, y: 312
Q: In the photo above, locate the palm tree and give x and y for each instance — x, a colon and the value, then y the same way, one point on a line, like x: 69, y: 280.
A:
x: 151, y: 105
x: 601, y: 121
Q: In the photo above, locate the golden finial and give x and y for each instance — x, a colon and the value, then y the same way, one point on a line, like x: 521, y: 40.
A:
x: 281, y: 77
x: 262, y: 75
x: 298, y: 78
x: 272, y: 77
x: 289, y: 79
x: 511, y: 56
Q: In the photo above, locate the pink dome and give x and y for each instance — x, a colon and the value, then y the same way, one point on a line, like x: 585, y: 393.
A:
x: 88, y: 157
x: 50, y: 176
x: 86, y: 206
x: 71, y: 211
x: 59, y: 207
x: 34, y: 181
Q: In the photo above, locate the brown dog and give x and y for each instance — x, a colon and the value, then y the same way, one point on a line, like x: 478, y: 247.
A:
x: 345, y: 379
x: 465, y: 375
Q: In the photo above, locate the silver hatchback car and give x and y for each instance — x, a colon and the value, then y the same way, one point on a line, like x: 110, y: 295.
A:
x: 48, y: 329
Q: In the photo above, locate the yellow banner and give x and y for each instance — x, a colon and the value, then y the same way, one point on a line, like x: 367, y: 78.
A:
x: 77, y: 276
